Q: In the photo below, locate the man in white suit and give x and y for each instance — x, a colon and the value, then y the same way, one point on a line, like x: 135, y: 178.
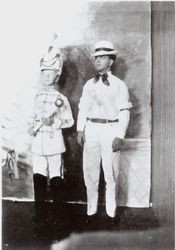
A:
x: 102, y: 123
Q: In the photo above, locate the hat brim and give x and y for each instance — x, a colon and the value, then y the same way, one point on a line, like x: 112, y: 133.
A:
x: 105, y: 53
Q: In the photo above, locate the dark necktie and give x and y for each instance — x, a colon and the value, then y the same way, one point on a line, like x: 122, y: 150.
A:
x: 103, y: 77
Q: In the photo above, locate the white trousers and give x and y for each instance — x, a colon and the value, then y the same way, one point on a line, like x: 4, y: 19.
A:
x: 50, y: 166
x: 97, y: 147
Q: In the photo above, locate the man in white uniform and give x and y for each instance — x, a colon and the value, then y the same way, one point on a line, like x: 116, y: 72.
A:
x: 51, y: 114
x: 102, y: 123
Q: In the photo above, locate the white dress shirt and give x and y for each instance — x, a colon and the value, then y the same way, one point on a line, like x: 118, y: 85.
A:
x: 105, y: 102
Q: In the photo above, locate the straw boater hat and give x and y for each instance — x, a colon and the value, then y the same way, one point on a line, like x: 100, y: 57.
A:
x: 103, y: 48
x: 52, y: 59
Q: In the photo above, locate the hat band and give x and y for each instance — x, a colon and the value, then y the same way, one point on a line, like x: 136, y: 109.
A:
x: 103, y: 49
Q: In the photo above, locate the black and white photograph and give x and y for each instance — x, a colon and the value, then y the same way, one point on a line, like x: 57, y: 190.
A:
x: 87, y: 125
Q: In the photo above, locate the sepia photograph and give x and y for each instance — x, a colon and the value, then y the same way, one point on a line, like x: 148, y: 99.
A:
x: 87, y: 125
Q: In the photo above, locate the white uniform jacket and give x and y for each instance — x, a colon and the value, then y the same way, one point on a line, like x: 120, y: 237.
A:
x: 49, y: 139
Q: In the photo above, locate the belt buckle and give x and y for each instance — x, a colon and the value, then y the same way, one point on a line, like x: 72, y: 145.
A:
x: 106, y: 120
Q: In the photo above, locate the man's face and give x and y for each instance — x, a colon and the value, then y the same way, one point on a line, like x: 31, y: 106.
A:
x: 103, y: 63
x: 48, y: 77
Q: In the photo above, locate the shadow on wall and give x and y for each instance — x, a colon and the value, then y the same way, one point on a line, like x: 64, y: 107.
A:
x: 120, y: 69
x: 135, y: 117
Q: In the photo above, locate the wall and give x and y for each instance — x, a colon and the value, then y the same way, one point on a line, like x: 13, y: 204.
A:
x: 163, y: 136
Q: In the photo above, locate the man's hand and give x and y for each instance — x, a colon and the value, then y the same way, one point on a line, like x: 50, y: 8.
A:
x: 117, y: 143
x: 81, y: 138
x: 47, y: 121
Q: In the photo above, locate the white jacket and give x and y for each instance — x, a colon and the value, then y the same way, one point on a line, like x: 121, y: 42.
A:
x: 49, y: 139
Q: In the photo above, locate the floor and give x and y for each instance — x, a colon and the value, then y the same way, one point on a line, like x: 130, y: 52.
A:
x: 134, y: 229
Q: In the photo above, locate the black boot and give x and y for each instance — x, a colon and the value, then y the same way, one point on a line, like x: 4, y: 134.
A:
x: 40, y: 187
x: 60, y: 220
x: 56, y: 184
